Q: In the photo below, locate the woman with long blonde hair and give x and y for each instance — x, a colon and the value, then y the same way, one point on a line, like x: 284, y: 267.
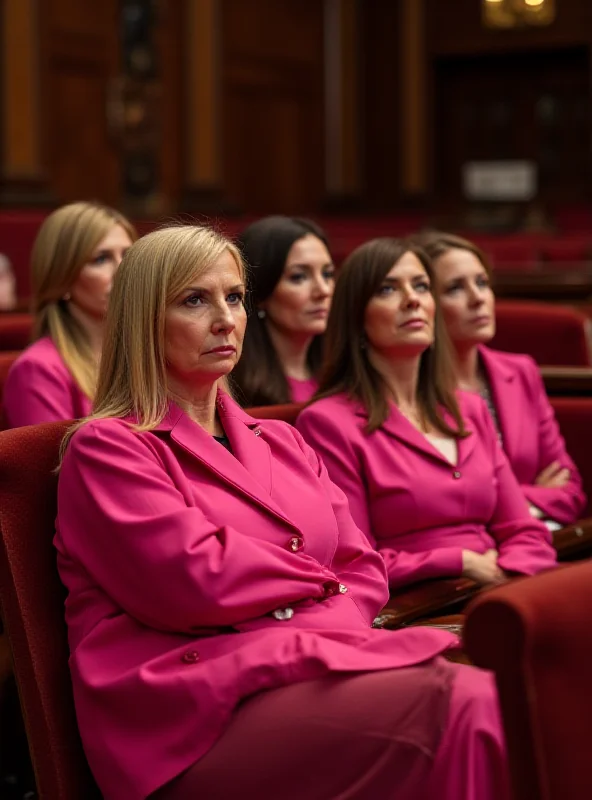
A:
x: 75, y: 256
x: 221, y: 598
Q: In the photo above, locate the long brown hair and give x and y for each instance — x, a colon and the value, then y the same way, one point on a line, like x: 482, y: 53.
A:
x: 346, y: 366
x: 437, y: 243
x: 265, y: 244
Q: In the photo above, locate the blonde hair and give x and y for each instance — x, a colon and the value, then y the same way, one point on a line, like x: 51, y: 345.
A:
x: 154, y: 271
x: 66, y: 242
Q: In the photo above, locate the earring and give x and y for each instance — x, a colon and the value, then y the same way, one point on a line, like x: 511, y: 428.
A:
x: 261, y: 313
x: 66, y: 297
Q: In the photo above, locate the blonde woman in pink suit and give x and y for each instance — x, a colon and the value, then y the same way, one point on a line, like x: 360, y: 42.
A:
x: 426, y: 479
x: 220, y: 596
x: 510, y: 383
x: 75, y: 255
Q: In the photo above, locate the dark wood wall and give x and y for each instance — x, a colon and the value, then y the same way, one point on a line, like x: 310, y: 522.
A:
x: 262, y: 105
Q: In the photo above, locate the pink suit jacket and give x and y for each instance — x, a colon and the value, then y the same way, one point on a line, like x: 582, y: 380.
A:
x: 414, y: 506
x: 530, y: 435
x: 40, y: 388
x: 176, y: 554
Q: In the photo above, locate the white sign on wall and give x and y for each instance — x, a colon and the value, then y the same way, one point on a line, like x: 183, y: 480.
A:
x: 499, y: 180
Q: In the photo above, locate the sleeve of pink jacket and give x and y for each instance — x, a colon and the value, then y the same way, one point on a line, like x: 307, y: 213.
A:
x: 564, y: 503
x: 330, y: 439
x: 36, y: 392
x: 523, y: 543
x: 356, y: 563
x: 121, y: 516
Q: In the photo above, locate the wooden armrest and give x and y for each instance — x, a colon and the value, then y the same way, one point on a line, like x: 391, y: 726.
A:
x: 424, y: 599
x: 573, y: 540
x: 568, y: 380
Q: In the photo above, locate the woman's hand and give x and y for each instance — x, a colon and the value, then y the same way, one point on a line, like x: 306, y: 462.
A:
x: 554, y: 476
x: 482, y: 568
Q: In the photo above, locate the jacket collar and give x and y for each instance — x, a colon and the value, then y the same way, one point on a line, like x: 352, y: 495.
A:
x: 247, y: 469
x: 505, y: 393
x: 399, y: 427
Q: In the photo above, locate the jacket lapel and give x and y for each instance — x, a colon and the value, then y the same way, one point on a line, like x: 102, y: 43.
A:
x: 398, y: 426
x: 247, y: 469
x: 505, y: 393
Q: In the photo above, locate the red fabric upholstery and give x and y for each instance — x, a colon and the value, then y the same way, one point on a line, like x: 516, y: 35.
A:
x: 574, y: 416
x: 6, y: 361
x: 15, y: 331
x: 287, y: 412
x: 535, y: 635
x: 566, y: 251
x: 552, y: 335
x: 33, y: 609
x: 513, y: 253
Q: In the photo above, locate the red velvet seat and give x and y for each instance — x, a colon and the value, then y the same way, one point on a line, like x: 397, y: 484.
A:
x: 513, y: 254
x: 574, y: 417
x: 287, y: 412
x: 33, y: 610
x: 569, y: 251
x: 6, y: 361
x: 553, y: 335
x: 535, y: 635
x: 15, y: 331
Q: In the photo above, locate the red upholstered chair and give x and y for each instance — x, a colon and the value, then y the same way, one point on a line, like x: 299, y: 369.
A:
x: 15, y: 331
x: 572, y: 251
x: 33, y: 610
x: 574, y: 417
x: 6, y: 361
x: 287, y: 412
x: 553, y: 335
x: 505, y: 254
x: 535, y: 635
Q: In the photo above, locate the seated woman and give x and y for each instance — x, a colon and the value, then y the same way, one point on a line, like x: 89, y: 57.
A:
x: 291, y: 284
x: 510, y: 384
x: 75, y: 255
x: 423, y: 472
x: 220, y: 596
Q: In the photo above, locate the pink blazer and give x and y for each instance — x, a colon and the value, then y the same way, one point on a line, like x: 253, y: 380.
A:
x: 39, y: 388
x: 418, y: 509
x: 197, y: 577
x: 530, y: 434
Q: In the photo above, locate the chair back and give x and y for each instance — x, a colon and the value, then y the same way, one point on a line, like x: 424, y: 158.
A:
x: 553, y: 335
x: 32, y: 598
x: 7, y: 359
x: 288, y: 412
x: 534, y: 633
x: 15, y: 331
x: 574, y: 417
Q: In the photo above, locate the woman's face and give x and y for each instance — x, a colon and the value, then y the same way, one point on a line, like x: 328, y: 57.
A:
x: 91, y: 289
x: 399, y: 319
x: 299, y: 304
x: 205, y: 326
x: 466, y: 298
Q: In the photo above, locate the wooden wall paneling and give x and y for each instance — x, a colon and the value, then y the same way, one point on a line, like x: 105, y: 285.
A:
x: 413, y: 101
x: 22, y: 173
x: 455, y: 28
x: 272, y: 105
x: 81, y: 56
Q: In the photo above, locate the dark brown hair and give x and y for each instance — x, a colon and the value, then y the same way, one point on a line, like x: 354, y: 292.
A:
x: 437, y: 243
x: 346, y: 366
x: 265, y: 244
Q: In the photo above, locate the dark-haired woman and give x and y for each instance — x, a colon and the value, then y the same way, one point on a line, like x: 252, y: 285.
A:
x: 291, y: 285
x: 422, y: 469
x: 510, y: 383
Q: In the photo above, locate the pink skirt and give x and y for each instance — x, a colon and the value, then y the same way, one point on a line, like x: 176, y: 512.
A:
x: 427, y: 732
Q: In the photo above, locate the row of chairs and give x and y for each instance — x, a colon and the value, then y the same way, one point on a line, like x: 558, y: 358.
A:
x: 529, y: 632
x: 552, y: 334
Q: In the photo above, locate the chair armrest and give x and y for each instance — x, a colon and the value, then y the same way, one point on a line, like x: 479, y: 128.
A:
x: 566, y: 381
x: 427, y: 598
x: 573, y: 540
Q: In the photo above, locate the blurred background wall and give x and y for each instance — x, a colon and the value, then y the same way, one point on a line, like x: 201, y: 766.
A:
x: 255, y: 106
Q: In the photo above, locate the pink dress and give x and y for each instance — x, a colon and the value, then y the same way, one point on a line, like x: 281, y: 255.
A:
x: 40, y: 388
x: 302, y: 391
x: 200, y: 578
